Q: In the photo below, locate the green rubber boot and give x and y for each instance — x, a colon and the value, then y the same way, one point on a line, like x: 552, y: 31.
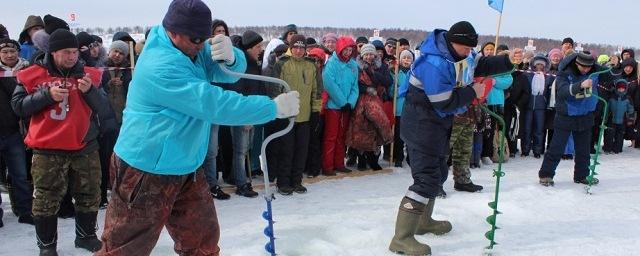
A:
x: 429, y: 225
x: 403, y: 241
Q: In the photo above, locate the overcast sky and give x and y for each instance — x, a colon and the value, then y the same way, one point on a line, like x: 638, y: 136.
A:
x: 589, y: 21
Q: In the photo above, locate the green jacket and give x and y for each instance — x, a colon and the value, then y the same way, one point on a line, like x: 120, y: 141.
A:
x: 300, y: 74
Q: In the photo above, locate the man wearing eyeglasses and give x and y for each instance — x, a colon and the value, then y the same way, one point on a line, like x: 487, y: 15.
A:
x: 158, y: 181
x: 440, y: 85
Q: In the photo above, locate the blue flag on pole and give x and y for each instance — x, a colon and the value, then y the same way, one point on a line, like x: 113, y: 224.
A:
x: 496, y: 4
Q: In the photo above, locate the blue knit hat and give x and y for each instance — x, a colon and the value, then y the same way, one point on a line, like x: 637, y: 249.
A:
x: 189, y: 17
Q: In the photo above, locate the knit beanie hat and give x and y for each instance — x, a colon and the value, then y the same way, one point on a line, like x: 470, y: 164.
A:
x: 250, y: 39
x: 311, y: 42
x: 555, y: 51
x: 62, y: 39
x: 403, y: 41
x: 97, y: 38
x: 120, y: 46
x: 53, y: 23
x: 567, y: 40
x: 329, y: 36
x: 3, y: 32
x: 189, y: 17
x: 406, y: 53
x: 84, y: 39
x: 585, y: 59
x: 463, y: 33
x: 362, y: 40
x: 298, y: 40
x: 8, y: 43
x: 378, y: 44
x: 367, y: 48
x: 287, y: 29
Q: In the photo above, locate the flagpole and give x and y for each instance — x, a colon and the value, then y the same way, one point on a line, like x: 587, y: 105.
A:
x: 498, y: 32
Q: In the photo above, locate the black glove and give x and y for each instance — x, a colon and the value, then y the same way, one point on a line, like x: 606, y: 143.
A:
x: 346, y: 107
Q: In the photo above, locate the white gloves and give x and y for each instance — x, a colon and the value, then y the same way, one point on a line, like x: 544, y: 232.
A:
x: 287, y: 104
x: 222, y: 49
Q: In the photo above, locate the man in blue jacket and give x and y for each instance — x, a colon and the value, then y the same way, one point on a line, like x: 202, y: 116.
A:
x: 157, y: 177
x: 439, y: 86
x: 575, y: 104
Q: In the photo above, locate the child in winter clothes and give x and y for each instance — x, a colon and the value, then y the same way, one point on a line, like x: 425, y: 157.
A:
x: 406, y: 59
x: 620, y: 107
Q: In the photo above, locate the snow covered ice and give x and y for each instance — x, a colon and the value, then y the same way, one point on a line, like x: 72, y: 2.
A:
x: 356, y: 216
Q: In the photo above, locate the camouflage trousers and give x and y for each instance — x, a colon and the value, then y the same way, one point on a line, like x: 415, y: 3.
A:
x: 142, y: 204
x: 53, y: 173
x: 461, y: 144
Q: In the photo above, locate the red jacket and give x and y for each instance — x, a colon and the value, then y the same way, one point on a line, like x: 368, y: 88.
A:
x: 58, y: 125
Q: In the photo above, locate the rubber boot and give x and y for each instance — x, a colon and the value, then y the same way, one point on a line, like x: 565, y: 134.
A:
x: 86, y: 231
x: 47, y: 234
x: 429, y: 225
x: 403, y: 241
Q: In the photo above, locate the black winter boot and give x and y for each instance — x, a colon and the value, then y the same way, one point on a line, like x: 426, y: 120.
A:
x: 47, y: 234
x: 362, y: 162
x: 372, y: 160
x: 86, y: 231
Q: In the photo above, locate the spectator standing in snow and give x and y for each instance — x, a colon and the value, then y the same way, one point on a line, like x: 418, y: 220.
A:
x: 115, y: 82
x: 62, y: 97
x: 12, y: 149
x: 31, y: 26
x: 165, y: 131
x: 340, y: 77
x: 288, y: 154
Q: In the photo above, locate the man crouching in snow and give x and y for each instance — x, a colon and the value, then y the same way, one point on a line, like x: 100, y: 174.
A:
x: 437, y: 89
x: 156, y: 169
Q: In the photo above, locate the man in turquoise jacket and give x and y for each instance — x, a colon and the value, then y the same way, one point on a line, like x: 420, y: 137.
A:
x: 171, y: 105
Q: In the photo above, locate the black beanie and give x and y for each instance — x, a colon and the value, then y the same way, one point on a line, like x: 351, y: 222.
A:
x: 463, y: 33
x: 52, y: 23
x: 250, y: 39
x: 84, y: 39
x: 62, y: 39
x: 362, y: 39
x: 189, y: 17
x: 403, y: 41
x: 311, y: 41
x: 567, y: 40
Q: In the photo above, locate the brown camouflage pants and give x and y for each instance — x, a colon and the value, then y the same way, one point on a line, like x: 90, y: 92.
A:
x: 53, y: 173
x: 143, y: 203
x: 461, y: 146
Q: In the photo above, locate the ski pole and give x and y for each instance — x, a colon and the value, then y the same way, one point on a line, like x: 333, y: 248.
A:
x: 270, y: 247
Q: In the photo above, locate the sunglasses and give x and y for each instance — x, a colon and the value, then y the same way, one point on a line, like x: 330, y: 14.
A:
x: 197, y: 40
x: 94, y: 44
x: 470, y: 36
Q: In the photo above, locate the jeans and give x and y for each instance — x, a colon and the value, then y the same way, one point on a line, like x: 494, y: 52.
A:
x: 209, y: 165
x: 256, y: 146
x: 13, y: 150
x: 241, y: 139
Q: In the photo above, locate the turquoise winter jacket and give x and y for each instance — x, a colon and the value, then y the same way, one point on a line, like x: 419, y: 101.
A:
x: 171, y: 105
x: 496, y: 95
x: 341, y: 82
